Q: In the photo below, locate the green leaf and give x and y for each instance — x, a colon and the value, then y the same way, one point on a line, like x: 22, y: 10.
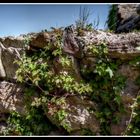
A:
x: 110, y: 72
x: 28, y: 117
x: 35, y: 73
x: 20, y: 78
x: 117, y: 99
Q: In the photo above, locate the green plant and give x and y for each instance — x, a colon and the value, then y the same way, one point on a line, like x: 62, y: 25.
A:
x: 89, y: 27
x: 57, y: 110
x: 96, y: 23
x: 57, y: 31
x: 135, y: 62
x: 107, y: 86
x: 137, y: 81
x: 38, y: 72
x: 134, y: 121
x: 87, y: 132
x: 27, y: 41
x: 82, y: 22
x: 61, y: 116
x: 33, y: 123
x: 112, y: 18
x: 84, y: 14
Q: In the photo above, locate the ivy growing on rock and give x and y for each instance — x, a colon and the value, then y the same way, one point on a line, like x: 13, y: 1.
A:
x: 134, y: 121
x: 48, y: 76
x: 107, y: 85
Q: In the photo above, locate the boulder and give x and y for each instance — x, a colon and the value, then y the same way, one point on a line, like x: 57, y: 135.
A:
x: 40, y: 40
x: 11, y: 97
x: 80, y: 115
x: 7, y: 57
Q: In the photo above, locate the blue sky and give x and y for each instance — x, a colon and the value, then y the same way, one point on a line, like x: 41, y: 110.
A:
x: 16, y: 19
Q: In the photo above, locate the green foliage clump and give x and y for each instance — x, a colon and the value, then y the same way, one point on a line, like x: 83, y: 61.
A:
x: 34, y: 123
x: 134, y: 122
x: 107, y: 86
x: 82, y: 21
x: 87, y: 132
x: 135, y: 62
x: 37, y: 72
x: 40, y: 73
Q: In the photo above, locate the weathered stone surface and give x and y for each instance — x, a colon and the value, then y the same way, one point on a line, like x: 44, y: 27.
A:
x: 11, y: 97
x: 7, y: 57
x: 132, y: 23
x: 127, y: 17
x: 3, y: 128
x: 121, y: 46
x: 70, y: 45
x: 131, y: 73
x: 2, y: 70
x: 41, y: 40
x: 79, y: 115
x: 15, y: 42
x: 3, y: 124
x: 127, y: 10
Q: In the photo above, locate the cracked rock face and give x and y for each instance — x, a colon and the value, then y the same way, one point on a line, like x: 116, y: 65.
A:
x: 8, y: 58
x: 11, y: 97
x: 10, y: 50
x: 80, y: 115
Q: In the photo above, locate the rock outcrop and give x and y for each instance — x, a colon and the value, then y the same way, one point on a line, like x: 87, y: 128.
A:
x: 8, y: 55
x: 123, y: 47
x: 11, y: 97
